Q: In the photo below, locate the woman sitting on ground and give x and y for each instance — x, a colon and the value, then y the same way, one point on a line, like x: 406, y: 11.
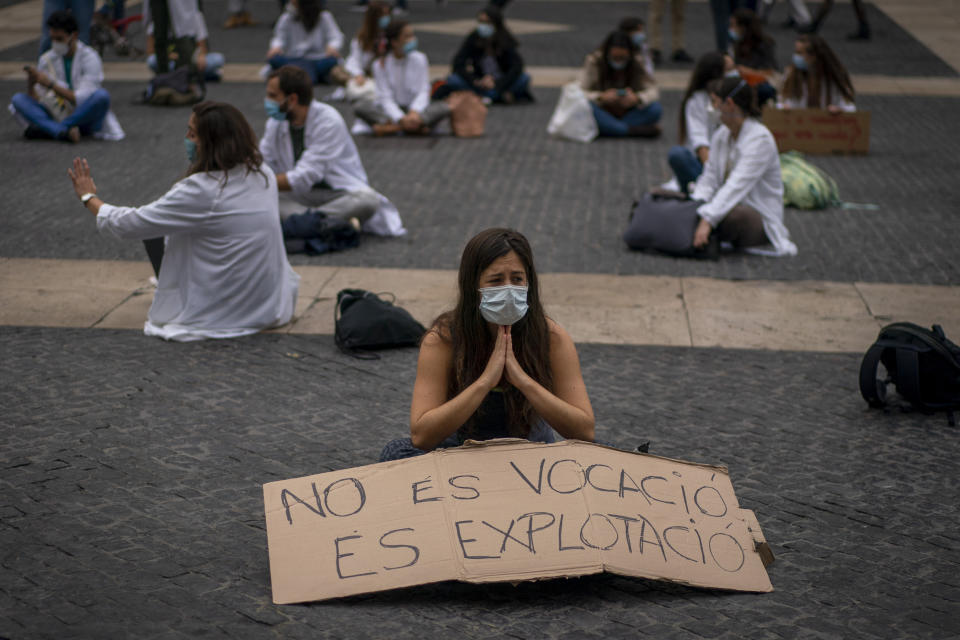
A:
x: 223, y: 272
x: 306, y: 35
x: 741, y: 187
x: 696, y: 125
x: 488, y: 63
x: 816, y: 79
x: 754, y: 52
x: 624, y: 98
x: 369, y: 43
x: 495, y: 366
x: 402, y: 77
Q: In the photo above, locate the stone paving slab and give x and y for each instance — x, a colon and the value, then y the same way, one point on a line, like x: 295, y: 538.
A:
x: 131, y: 474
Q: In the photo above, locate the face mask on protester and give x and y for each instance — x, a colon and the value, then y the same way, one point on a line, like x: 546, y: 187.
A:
x: 800, y: 62
x: 485, y: 30
x: 618, y: 65
x: 383, y: 21
x: 410, y: 46
x: 503, y: 305
x: 713, y: 117
x: 733, y: 35
x: 733, y: 73
x: 639, y: 38
x: 274, y: 110
x: 60, y: 48
x: 191, y: 148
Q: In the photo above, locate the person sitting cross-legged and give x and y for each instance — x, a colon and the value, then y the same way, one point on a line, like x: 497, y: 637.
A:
x: 307, y: 145
x: 64, y: 98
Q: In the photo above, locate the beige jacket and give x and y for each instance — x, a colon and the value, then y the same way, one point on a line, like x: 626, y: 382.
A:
x: 642, y: 84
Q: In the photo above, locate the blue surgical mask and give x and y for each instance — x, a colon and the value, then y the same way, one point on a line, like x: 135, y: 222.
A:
x: 617, y: 64
x: 639, y: 38
x: 410, y: 46
x: 383, y: 21
x: 504, y: 305
x: 733, y: 73
x: 191, y: 147
x: 799, y: 62
x: 485, y: 30
x: 734, y: 36
x: 272, y: 107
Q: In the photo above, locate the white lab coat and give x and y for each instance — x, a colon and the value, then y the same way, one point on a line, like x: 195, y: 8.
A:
x: 836, y: 100
x: 754, y: 179
x: 86, y: 76
x: 225, y: 271
x: 699, y: 127
x: 330, y: 155
x: 296, y: 42
x: 358, y: 61
x: 403, y: 82
x: 186, y: 19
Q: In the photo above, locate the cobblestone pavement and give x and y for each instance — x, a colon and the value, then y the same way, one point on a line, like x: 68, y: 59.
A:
x: 132, y: 505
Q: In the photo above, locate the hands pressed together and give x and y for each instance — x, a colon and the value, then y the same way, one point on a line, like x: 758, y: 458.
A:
x: 503, y: 363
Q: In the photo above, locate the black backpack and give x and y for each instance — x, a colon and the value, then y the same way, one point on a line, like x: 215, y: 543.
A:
x: 364, y: 320
x: 922, y: 363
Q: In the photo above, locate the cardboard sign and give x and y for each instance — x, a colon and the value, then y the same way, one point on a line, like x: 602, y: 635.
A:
x: 818, y: 130
x: 509, y: 510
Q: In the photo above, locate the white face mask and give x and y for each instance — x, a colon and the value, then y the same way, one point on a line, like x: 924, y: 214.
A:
x: 60, y: 48
x: 503, y: 305
x: 713, y: 117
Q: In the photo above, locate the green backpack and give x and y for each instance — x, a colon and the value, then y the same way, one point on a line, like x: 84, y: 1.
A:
x: 804, y: 185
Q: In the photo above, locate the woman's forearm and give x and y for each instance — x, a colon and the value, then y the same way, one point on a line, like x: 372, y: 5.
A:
x: 569, y: 421
x: 437, y: 424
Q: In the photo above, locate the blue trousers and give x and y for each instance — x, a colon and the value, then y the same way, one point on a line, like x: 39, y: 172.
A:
x: 318, y: 69
x: 612, y: 126
x: 215, y: 61
x: 82, y: 10
x: 88, y: 115
x: 685, y: 164
x: 521, y: 87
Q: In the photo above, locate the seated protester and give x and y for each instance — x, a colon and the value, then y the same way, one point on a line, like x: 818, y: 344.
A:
x: 223, y: 272
x: 624, y: 98
x: 209, y: 64
x: 488, y: 63
x: 754, y: 52
x: 816, y: 79
x: 741, y: 186
x: 495, y: 366
x: 306, y: 35
x: 64, y: 98
x: 696, y: 125
x: 369, y: 43
x: 306, y: 143
x: 402, y: 77
x: 635, y: 28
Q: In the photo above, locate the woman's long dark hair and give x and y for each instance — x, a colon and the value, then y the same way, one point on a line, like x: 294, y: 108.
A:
x: 470, y: 337
x: 502, y: 39
x: 709, y: 67
x: 224, y: 140
x: 370, y: 33
x: 753, y: 35
x: 606, y: 73
x: 308, y: 12
x: 742, y: 94
x: 826, y: 73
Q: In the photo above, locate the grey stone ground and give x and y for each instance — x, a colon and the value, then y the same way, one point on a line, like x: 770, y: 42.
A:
x: 130, y: 469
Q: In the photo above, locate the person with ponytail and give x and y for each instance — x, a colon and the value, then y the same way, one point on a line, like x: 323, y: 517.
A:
x: 495, y: 365
x: 816, y: 79
x: 624, y: 98
x: 488, y: 62
x: 741, y: 187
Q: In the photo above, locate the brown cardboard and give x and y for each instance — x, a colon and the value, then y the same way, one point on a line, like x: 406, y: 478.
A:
x: 819, y: 131
x: 509, y: 510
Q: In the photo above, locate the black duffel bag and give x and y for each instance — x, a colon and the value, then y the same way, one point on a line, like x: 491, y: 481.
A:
x: 666, y: 224
x: 364, y: 321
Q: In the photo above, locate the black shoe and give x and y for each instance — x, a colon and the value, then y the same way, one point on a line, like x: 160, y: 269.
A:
x: 862, y: 32
x: 656, y: 55
x: 789, y: 23
x: 680, y: 55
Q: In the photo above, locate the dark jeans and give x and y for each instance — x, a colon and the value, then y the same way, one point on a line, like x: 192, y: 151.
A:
x: 685, y: 164
x: 520, y: 87
x: 318, y: 69
x: 743, y: 227
x: 610, y: 125
x: 88, y: 115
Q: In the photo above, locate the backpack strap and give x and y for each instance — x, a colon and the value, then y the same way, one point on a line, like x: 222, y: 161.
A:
x: 908, y: 376
x: 868, y: 376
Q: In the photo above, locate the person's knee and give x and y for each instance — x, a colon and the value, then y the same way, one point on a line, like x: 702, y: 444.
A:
x: 21, y: 101
x: 100, y: 98
x: 677, y: 156
x: 367, y: 202
x: 653, y: 111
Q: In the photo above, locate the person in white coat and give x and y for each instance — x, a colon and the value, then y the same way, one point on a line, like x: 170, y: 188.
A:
x: 402, y: 79
x: 306, y: 35
x: 224, y: 271
x: 816, y: 79
x: 65, y: 98
x: 741, y: 187
x: 307, y: 145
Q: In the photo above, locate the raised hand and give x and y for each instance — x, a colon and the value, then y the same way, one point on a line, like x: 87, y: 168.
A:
x: 80, y: 175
